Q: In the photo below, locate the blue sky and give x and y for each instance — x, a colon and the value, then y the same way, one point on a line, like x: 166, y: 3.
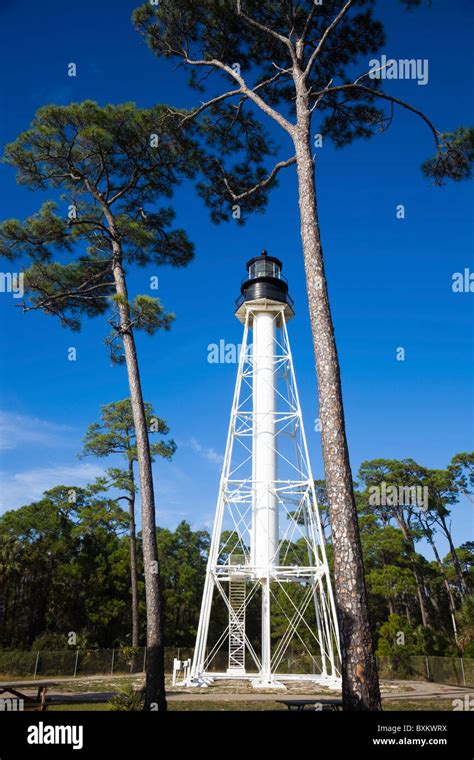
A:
x: 389, y: 279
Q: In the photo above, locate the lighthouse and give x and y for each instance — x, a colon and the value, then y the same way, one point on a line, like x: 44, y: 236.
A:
x: 268, y: 612
x: 267, y: 291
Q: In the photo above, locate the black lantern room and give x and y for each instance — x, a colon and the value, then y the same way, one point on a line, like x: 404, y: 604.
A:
x: 264, y: 280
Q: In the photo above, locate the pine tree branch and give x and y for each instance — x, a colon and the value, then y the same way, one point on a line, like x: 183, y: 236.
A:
x: 95, y: 222
x: 270, y: 80
x: 226, y: 95
x: 266, y: 30
x: 389, y: 98
x: 104, y: 172
x: 320, y: 96
x: 260, y: 185
x: 244, y: 88
x: 126, y: 498
x: 126, y: 187
x: 301, y: 41
x: 80, y: 292
x: 326, y: 34
x: 203, y: 106
x: 45, y: 302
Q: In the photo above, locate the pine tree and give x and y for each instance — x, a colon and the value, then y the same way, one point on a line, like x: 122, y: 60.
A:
x: 115, y: 434
x: 114, y: 166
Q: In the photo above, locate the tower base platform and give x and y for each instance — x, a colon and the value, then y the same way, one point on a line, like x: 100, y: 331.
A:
x: 276, y: 682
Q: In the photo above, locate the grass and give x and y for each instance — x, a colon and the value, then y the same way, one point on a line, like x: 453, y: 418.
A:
x: 206, y: 706
x: 87, y: 706
x: 438, y: 705
x: 98, y: 686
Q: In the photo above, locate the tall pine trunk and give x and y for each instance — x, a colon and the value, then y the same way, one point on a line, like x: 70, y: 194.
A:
x: 419, y: 578
x: 390, y: 598
x: 463, y: 587
x: 360, y: 685
x: 451, y: 599
x: 155, y: 676
x: 420, y: 591
x: 133, y: 561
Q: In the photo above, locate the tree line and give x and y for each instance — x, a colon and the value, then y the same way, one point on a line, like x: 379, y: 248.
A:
x: 72, y: 562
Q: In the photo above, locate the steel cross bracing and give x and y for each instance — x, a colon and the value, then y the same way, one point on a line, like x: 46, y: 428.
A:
x: 298, y: 615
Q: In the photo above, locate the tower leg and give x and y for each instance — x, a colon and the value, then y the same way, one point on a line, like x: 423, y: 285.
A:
x: 266, y: 679
x: 197, y: 666
x: 266, y: 632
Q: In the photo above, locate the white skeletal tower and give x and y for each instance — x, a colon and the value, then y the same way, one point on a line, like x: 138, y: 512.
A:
x: 268, y: 612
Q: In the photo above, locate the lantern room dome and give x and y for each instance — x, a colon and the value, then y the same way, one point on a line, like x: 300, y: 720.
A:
x: 264, y: 280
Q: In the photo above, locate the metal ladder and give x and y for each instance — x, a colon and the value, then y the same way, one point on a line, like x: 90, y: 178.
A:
x: 237, y: 598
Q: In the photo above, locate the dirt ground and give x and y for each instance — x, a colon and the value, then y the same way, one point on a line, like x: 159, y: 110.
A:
x: 99, y: 689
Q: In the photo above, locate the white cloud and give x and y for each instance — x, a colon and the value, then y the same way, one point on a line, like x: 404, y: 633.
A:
x: 18, y: 430
x: 206, y: 453
x: 21, y: 488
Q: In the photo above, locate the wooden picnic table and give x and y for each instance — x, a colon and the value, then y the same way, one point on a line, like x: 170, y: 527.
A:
x: 36, y: 703
x: 300, y: 704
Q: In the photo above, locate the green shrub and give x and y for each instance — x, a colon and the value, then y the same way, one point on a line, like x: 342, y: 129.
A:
x: 17, y: 663
x: 398, y: 637
x: 128, y: 699
x: 52, y: 642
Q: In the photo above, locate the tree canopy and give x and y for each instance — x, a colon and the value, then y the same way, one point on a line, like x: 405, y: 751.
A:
x: 115, y: 165
x: 66, y: 567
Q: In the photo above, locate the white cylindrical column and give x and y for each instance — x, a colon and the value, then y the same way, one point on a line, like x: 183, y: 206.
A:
x: 265, y: 505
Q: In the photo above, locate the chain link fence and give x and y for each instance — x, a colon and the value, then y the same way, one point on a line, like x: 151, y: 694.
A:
x: 456, y: 671
x: 16, y: 664
x: 72, y: 662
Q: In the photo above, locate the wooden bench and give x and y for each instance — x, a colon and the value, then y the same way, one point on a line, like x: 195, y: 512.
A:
x: 317, y: 704
x: 30, y: 703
